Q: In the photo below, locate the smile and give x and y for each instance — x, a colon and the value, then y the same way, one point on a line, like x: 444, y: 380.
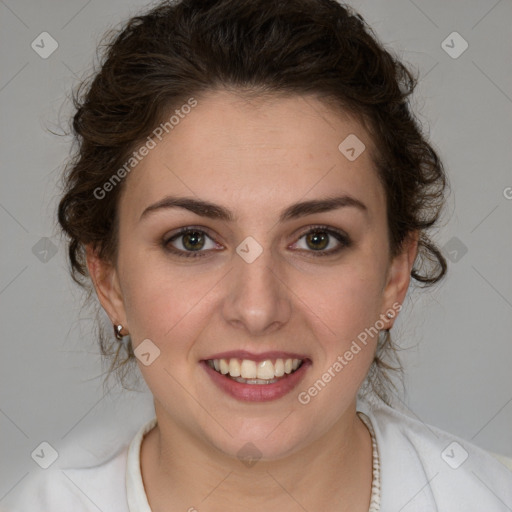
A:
x: 247, y: 371
x: 253, y: 378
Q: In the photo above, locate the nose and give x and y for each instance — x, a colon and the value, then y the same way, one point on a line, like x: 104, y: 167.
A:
x: 257, y: 298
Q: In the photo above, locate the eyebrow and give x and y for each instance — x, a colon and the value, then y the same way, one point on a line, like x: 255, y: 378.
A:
x: 294, y: 211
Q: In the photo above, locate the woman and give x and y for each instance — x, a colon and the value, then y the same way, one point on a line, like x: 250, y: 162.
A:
x: 250, y: 198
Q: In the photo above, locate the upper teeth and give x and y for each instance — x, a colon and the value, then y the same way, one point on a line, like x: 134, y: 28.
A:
x: 248, y: 369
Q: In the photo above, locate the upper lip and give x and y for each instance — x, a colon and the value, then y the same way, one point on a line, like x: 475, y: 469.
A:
x: 244, y: 354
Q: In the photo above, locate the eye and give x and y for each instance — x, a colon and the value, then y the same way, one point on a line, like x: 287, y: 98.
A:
x: 323, y: 241
x: 190, y: 242
x: 195, y: 242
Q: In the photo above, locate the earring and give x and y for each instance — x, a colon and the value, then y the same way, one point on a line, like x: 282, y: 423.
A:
x: 117, y: 332
x: 389, y: 315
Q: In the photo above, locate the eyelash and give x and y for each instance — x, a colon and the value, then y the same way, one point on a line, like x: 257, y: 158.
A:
x: 338, y: 235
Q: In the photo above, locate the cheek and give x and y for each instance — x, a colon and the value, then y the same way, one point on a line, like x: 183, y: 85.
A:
x: 355, y: 302
x: 348, y: 298
x: 163, y: 301
x: 348, y: 307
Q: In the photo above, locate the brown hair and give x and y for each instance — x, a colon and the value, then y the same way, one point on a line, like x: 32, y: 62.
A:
x: 181, y: 49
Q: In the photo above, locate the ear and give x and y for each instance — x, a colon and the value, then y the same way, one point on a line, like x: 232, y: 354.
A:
x: 106, y: 283
x: 399, y: 274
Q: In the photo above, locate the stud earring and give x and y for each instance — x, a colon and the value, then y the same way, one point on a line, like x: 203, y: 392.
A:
x: 117, y: 332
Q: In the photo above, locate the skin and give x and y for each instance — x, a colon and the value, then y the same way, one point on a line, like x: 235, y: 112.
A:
x: 254, y: 158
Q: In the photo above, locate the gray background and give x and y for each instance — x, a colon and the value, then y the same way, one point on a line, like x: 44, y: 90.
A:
x: 458, y: 335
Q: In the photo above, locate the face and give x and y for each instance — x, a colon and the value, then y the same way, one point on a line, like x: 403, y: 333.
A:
x: 248, y: 241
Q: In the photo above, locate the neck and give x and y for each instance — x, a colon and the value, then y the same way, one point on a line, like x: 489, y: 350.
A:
x: 332, y: 473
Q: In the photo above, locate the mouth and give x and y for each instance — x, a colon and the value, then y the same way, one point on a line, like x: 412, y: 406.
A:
x: 248, y: 371
x: 256, y: 378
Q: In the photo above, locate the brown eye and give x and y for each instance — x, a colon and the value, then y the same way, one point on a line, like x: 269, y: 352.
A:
x: 190, y: 242
x: 193, y: 240
x: 317, y: 240
x: 323, y: 241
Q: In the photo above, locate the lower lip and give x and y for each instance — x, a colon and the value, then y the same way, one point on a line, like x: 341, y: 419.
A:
x: 257, y: 392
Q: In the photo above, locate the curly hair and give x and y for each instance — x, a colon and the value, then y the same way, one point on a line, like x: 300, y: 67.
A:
x: 176, y: 50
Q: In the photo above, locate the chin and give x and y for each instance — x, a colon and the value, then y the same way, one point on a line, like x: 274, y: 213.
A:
x: 261, y: 440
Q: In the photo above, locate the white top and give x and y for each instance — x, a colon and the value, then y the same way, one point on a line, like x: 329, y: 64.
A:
x: 416, y: 468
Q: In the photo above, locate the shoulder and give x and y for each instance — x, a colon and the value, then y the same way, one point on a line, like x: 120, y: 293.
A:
x: 424, y: 466
x: 100, y: 487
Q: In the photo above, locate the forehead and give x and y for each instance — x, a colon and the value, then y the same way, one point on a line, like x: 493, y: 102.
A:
x: 260, y: 153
